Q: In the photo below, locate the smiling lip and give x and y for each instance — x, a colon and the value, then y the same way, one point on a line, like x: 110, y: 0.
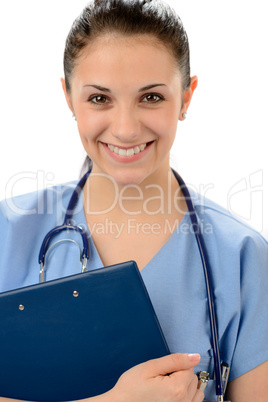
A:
x: 124, y: 154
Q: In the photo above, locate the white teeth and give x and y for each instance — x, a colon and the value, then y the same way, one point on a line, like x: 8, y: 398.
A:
x: 127, y: 152
x: 122, y: 152
x: 130, y: 152
x: 142, y: 147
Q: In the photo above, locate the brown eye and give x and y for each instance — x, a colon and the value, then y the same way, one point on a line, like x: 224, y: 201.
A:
x: 99, y: 99
x: 152, y: 98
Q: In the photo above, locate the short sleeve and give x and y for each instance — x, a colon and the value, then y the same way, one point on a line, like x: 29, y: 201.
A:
x: 252, y: 338
x: 5, y: 246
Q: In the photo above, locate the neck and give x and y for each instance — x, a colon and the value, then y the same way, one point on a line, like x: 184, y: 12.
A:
x: 158, y: 195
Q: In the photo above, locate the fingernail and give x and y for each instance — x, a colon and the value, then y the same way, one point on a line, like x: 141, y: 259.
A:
x: 193, y: 357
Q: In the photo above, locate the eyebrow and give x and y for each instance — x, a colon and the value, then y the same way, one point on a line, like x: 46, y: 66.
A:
x: 140, y: 90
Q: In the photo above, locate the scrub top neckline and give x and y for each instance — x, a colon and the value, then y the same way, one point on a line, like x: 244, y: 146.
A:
x: 82, y: 218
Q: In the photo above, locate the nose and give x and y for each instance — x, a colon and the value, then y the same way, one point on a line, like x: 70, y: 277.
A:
x: 125, y: 124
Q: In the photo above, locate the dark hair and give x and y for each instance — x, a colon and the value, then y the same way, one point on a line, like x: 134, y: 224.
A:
x: 128, y: 18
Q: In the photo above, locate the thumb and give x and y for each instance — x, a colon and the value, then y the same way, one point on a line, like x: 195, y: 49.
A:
x: 171, y: 363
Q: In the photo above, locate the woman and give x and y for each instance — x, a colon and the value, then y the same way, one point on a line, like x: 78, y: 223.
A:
x: 127, y: 83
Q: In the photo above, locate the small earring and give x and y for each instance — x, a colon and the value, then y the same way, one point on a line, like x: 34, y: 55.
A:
x: 74, y: 117
x: 184, y: 115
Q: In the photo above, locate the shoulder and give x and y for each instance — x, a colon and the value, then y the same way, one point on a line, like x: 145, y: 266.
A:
x: 24, y: 221
x: 233, y: 246
x: 35, y: 205
x: 223, y: 225
x: 23, y: 218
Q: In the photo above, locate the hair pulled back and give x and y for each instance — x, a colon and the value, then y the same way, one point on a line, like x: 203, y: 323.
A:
x: 128, y: 18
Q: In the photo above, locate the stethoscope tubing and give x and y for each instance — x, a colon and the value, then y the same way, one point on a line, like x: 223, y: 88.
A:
x: 201, y: 246
x: 207, y: 270
x: 67, y: 225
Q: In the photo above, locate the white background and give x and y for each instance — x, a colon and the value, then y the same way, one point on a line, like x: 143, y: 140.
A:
x: 221, y: 149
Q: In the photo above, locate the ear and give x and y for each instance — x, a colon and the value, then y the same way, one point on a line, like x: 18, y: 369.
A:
x: 67, y: 95
x: 188, y: 96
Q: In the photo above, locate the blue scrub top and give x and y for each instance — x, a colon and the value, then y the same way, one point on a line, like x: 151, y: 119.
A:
x: 174, y: 277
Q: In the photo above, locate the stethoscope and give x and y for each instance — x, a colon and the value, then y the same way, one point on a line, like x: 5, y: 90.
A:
x: 221, y: 370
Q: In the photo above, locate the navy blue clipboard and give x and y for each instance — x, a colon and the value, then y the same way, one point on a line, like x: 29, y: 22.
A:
x: 73, y: 337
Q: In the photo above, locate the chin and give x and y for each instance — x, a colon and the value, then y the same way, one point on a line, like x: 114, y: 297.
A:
x: 126, y: 180
x: 126, y: 175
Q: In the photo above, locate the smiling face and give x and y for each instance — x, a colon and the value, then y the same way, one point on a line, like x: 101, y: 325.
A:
x: 127, y: 98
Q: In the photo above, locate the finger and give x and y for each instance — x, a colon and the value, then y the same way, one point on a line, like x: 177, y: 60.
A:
x: 186, y: 379
x: 192, y: 386
x: 172, y: 363
x: 199, y: 396
x: 184, y: 373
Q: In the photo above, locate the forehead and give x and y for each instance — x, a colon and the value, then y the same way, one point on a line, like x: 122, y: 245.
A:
x: 113, y: 57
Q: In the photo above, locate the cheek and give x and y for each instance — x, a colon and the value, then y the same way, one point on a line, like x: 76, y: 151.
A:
x: 164, y: 123
x: 91, y: 125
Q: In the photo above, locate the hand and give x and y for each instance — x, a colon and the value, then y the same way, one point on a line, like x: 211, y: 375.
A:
x: 149, y: 381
